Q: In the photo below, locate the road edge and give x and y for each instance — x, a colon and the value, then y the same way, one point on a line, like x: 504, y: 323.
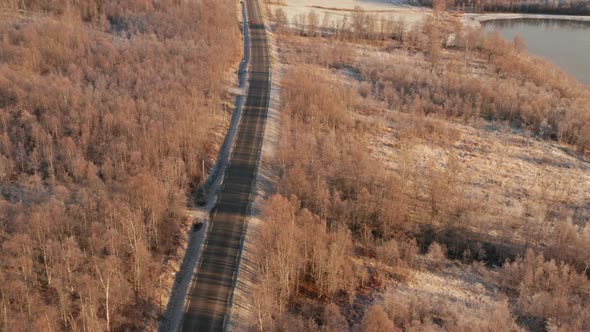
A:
x: 172, y: 317
x: 241, y: 312
x: 211, y: 185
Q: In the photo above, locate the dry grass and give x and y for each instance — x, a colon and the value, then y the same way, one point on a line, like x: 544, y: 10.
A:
x: 401, y: 165
x: 515, y: 182
x: 508, y: 175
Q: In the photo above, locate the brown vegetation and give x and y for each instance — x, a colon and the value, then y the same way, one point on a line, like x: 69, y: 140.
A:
x: 551, y: 290
x: 345, y: 225
x: 556, y: 106
x: 106, y: 109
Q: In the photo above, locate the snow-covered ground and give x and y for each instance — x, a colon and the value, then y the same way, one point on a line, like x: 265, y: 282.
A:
x: 394, y: 9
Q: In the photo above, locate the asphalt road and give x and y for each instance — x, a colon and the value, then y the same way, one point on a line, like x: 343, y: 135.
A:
x: 210, y: 295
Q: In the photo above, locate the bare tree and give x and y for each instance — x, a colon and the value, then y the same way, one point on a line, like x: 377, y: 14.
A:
x: 434, y: 44
x: 358, y: 18
x: 519, y: 45
x: 313, y: 20
x: 281, y: 18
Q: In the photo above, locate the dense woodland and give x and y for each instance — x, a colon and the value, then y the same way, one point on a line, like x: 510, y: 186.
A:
x: 573, y: 7
x: 106, y: 114
x: 339, y: 214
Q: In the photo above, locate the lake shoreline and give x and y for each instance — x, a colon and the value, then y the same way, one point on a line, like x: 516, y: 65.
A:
x: 563, y: 42
x: 477, y: 19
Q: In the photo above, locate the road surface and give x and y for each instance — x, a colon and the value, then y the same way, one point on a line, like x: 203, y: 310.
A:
x: 210, y: 296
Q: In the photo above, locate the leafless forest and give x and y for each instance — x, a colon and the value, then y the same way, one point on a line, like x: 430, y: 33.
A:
x: 573, y: 7
x: 111, y: 111
x: 107, y: 113
x: 347, y: 241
